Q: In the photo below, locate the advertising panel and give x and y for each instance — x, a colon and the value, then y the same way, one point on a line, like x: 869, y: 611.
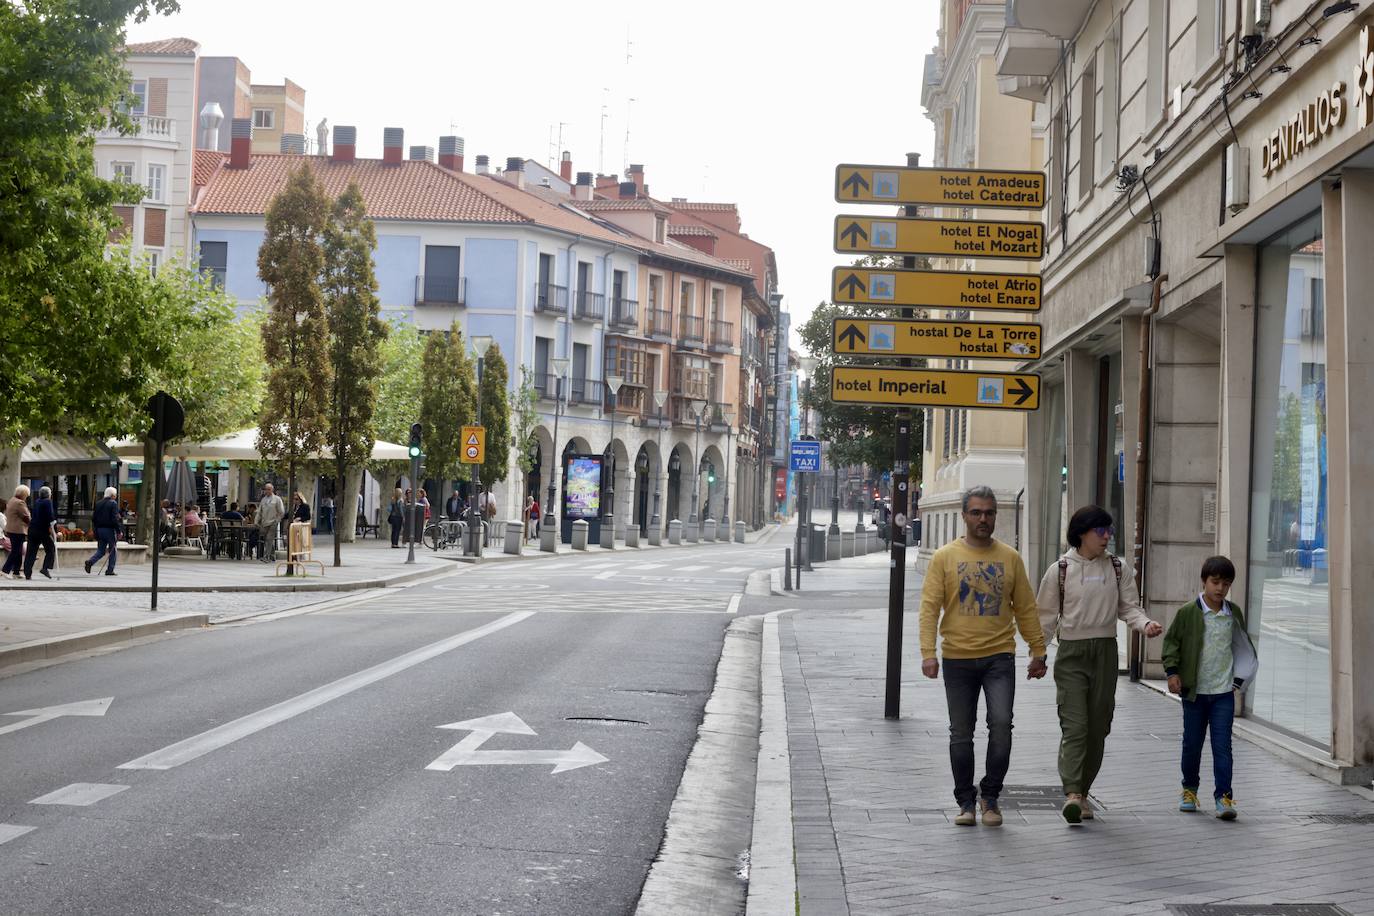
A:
x: 583, y: 493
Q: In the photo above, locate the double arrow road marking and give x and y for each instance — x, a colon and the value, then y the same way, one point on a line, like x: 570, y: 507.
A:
x: 467, y: 753
x: 48, y: 713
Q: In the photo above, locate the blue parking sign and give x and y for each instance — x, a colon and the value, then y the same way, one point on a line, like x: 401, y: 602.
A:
x: 806, y: 456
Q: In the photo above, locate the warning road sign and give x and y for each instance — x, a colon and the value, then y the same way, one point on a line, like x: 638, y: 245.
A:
x: 474, y: 440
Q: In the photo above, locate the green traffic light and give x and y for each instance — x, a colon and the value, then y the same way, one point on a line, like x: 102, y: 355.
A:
x: 415, y: 451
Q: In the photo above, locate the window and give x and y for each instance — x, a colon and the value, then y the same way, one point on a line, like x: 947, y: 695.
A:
x: 684, y: 299
x: 154, y: 256
x: 214, y: 260
x: 1057, y: 170
x: 264, y: 119
x: 1108, y: 105
x: 660, y: 229
x: 1156, y: 61
x: 655, y: 291
x: 156, y: 174
x: 122, y: 172
x: 441, y: 283
x: 1087, y: 128
x: 139, y: 107
x: 1209, y: 26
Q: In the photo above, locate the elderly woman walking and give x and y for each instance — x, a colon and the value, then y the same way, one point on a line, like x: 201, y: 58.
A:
x: 1081, y: 598
x: 42, y: 528
x: 16, y: 529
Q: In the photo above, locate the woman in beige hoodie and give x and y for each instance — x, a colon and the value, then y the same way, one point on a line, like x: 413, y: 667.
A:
x: 1081, y: 598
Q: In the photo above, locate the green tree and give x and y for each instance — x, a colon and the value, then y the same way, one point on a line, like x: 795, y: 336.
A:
x: 448, y: 401
x: 63, y: 78
x: 401, y: 381
x: 524, y: 421
x: 294, y: 422
x: 355, y: 334
x: 495, y: 417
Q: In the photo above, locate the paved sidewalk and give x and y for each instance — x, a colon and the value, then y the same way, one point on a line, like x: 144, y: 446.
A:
x: 872, y: 799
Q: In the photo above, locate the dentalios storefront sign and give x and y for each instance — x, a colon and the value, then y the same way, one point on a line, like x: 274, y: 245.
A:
x: 1323, y: 114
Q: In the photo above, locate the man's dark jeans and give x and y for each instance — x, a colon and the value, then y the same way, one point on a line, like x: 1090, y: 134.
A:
x: 995, y: 677
x: 1215, y: 712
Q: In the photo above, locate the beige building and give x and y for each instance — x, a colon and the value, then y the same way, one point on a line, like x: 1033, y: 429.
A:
x: 276, y: 111
x: 975, y: 127
x: 1235, y: 159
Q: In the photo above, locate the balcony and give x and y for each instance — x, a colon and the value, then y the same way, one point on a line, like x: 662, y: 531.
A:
x: 628, y: 400
x: 722, y: 335
x: 589, y: 305
x: 546, y: 386
x: 715, y: 415
x: 691, y: 330
x: 146, y: 127
x: 659, y: 324
x: 551, y: 299
x: 432, y: 290
x: 1062, y: 19
x: 586, y: 391
x: 624, y: 313
x: 681, y: 412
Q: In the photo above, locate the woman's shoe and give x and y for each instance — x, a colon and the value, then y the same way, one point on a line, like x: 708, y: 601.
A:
x: 1073, y: 809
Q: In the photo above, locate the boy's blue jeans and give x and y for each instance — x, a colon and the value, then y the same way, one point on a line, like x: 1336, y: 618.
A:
x: 1214, y: 711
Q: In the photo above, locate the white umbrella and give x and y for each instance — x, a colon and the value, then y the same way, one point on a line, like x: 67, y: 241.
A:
x: 181, y: 489
x: 241, y: 446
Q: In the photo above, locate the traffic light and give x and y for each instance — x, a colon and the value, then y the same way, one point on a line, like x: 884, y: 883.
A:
x: 711, y: 474
x: 415, y: 430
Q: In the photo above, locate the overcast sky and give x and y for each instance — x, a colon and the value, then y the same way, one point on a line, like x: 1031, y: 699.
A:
x: 746, y: 101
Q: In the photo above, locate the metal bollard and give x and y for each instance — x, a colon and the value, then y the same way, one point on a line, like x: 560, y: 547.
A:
x: 787, y: 570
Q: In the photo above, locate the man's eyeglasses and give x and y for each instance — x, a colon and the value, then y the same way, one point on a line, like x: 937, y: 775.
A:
x: 1105, y: 532
x: 981, y: 513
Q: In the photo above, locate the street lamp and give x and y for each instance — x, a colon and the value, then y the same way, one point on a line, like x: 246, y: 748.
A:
x: 696, y: 408
x: 835, y: 499
x: 549, y: 542
x: 613, y: 383
x: 808, y: 366
x: 727, y: 413
x: 656, y: 523
x: 480, y: 344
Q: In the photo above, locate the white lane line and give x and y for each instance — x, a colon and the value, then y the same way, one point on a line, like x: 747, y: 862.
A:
x: 640, y: 567
x: 734, y: 604
x: 731, y: 569
x: 12, y: 832
x: 691, y: 568
x: 79, y: 794
x: 175, y: 755
x: 607, y: 574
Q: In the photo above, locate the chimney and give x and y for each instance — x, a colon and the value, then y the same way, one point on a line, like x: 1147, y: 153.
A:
x: 482, y: 165
x: 240, y: 143
x: 627, y: 190
x: 393, y: 145
x: 583, y: 191
x: 422, y: 153
x: 515, y: 171
x: 211, y: 117
x: 345, y: 144
x: 635, y: 173
x: 607, y: 182
x: 293, y: 144
x: 565, y: 167
x: 451, y: 153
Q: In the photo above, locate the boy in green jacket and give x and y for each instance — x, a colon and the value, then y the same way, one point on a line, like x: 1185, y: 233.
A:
x: 1209, y: 658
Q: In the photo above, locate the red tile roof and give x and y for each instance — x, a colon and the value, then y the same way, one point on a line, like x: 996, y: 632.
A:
x: 691, y: 230
x: 205, y: 163
x: 175, y: 47
x: 616, y: 203
x: 692, y: 205
x: 546, y: 207
x: 413, y: 190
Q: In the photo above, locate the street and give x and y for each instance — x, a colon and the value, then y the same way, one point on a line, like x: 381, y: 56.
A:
x: 330, y: 762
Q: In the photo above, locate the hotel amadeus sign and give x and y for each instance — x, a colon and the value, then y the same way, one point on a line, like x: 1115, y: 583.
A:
x: 882, y: 184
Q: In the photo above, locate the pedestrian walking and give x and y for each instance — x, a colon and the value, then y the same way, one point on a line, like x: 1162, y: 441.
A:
x: 17, y: 518
x: 271, y: 510
x: 1209, y: 658
x: 327, y: 513
x: 532, y: 513
x: 1081, y: 598
x: 975, y: 597
x: 105, y: 521
x: 42, y: 533
x: 396, y: 516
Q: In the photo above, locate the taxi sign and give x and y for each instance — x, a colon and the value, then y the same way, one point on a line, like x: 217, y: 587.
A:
x: 805, y: 456
x: 937, y: 289
x: 890, y: 184
x: 888, y: 386
x: 474, y: 439
x: 968, y: 238
x: 956, y: 339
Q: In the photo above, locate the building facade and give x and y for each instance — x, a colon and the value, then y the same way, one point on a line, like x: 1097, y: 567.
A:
x: 1224, y: 162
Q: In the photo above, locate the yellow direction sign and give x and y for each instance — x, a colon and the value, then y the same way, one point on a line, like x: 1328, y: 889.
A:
x: 969, y: 238
x: 474, y: 439
x: 966, y: 339
x: 890, y: 184
x: 883, y: 385
x: 937, y: 288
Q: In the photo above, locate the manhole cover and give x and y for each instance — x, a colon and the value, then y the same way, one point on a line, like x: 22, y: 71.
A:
x: 1031, y: 798
x: 603, y: 720
x: 1256, y: 909
x: 1340, y: 818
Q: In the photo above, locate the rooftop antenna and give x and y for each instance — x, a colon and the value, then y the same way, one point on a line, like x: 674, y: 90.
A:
x: 601, y: 153
x: 629, y: 103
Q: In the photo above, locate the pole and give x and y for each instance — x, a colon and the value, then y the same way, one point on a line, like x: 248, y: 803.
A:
x: 1136, y: 652
x: 696, y: 475
x: 861, y: 503
x: 835, y: 501
x: 729, y: 458
x: 657, y: 521
x: 474, y: 513
x: 157, y: 506
x: 608, y: 517
x: 901, y: 479
x: 808, y: 480
x: 410, y: 509
x: 554, y: 461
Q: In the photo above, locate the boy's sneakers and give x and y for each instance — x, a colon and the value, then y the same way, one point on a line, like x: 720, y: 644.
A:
x: 1187, y: 801
x: 1226, y: 808
x: 967, y: 817
x: 1073, y: 809
x: 992, y: 815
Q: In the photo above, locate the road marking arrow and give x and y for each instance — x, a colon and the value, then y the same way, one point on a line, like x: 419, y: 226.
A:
x: 852, y: 334
x: 466, y: 753
x: 47, y: 713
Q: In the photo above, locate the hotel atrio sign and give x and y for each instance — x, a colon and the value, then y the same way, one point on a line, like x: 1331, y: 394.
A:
x: 952, y: 289
x: 884, y: 184
x: 969, y: 238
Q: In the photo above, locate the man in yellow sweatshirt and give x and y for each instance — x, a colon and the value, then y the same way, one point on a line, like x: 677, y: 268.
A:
x: 974, y: 588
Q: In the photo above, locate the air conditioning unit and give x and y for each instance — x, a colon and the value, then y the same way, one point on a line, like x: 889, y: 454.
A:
x: 1237, y: 178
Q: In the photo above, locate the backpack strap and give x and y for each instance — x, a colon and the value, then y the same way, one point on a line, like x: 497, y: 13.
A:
x: 1063, y: 576
x: 1116, y: 567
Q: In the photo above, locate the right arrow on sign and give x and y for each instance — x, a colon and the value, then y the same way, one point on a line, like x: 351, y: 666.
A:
x: 1022, y: 390
x: 852, y: 334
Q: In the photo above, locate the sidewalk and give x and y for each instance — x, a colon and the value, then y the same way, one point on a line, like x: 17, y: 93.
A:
x: 872, y: 799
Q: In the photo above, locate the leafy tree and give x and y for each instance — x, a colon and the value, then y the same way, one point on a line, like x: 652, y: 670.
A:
x: 355, y: 333
x: 448, y: 401
x: 524, y: 420
x: 295, y: 418
x: 63, y: 79
x: 495, y: 417
x: 400, y: 384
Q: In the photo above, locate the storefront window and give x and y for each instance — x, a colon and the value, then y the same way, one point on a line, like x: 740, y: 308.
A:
x: 1289, y: 598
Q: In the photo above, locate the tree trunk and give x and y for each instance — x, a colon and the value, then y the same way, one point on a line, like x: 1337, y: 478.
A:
x: 146, y: 509
x: 346, y: 506
x: 340, y: 474
x: 9, y: 469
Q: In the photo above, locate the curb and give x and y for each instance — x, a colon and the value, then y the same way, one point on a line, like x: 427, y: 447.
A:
x: 41, y: 649
x: 315, y: 586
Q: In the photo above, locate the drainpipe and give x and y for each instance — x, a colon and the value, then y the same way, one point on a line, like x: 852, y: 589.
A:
x: 1019, y: 493
x: 1142, y: 466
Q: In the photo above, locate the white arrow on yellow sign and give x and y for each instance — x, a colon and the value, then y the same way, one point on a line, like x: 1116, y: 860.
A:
x: 892, y: 387
x: 970, y: 238
x: 959, y: 339
x: 474, y: 439
x: 937, y: 288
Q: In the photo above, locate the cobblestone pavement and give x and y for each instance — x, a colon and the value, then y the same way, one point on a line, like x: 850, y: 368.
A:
x: 873, y: 802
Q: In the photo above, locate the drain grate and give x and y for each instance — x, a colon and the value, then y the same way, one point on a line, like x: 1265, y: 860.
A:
x: 1340, y: 818
x: 1031, y: 798
x: 603, y: 720
x: 1256, y: 909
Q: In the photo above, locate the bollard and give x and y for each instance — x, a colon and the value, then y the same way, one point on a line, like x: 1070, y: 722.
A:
x: 632, y: 536
x: 675, y: 531
x: 608, y: 536
x: 787, y: 569
x: 846, y: 544
x: 515, y: 534
x: 708, y: 530
x: 579, y: 534
x: 739, y: 532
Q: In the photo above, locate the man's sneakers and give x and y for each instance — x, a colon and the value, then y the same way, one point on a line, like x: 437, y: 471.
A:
x: 967, y: 817
x: 1226, y: 809
x: 1187, y: 801
x: 1073, y: 809
x: 992, y: 815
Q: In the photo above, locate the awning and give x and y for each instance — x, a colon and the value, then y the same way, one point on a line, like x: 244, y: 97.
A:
x: 54, y: 456
x: 241, y: 446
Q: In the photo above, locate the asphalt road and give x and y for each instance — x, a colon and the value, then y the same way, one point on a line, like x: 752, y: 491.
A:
x: 281, y: 766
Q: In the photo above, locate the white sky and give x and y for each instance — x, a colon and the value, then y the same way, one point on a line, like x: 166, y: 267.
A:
x: 745, y: 101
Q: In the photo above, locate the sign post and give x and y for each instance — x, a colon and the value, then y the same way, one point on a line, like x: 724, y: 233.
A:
x: 474, y: 452
x: 169, y: 421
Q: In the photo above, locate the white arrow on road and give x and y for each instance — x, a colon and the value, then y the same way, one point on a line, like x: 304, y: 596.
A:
x: 466, y: 753
x: 81, y: 708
